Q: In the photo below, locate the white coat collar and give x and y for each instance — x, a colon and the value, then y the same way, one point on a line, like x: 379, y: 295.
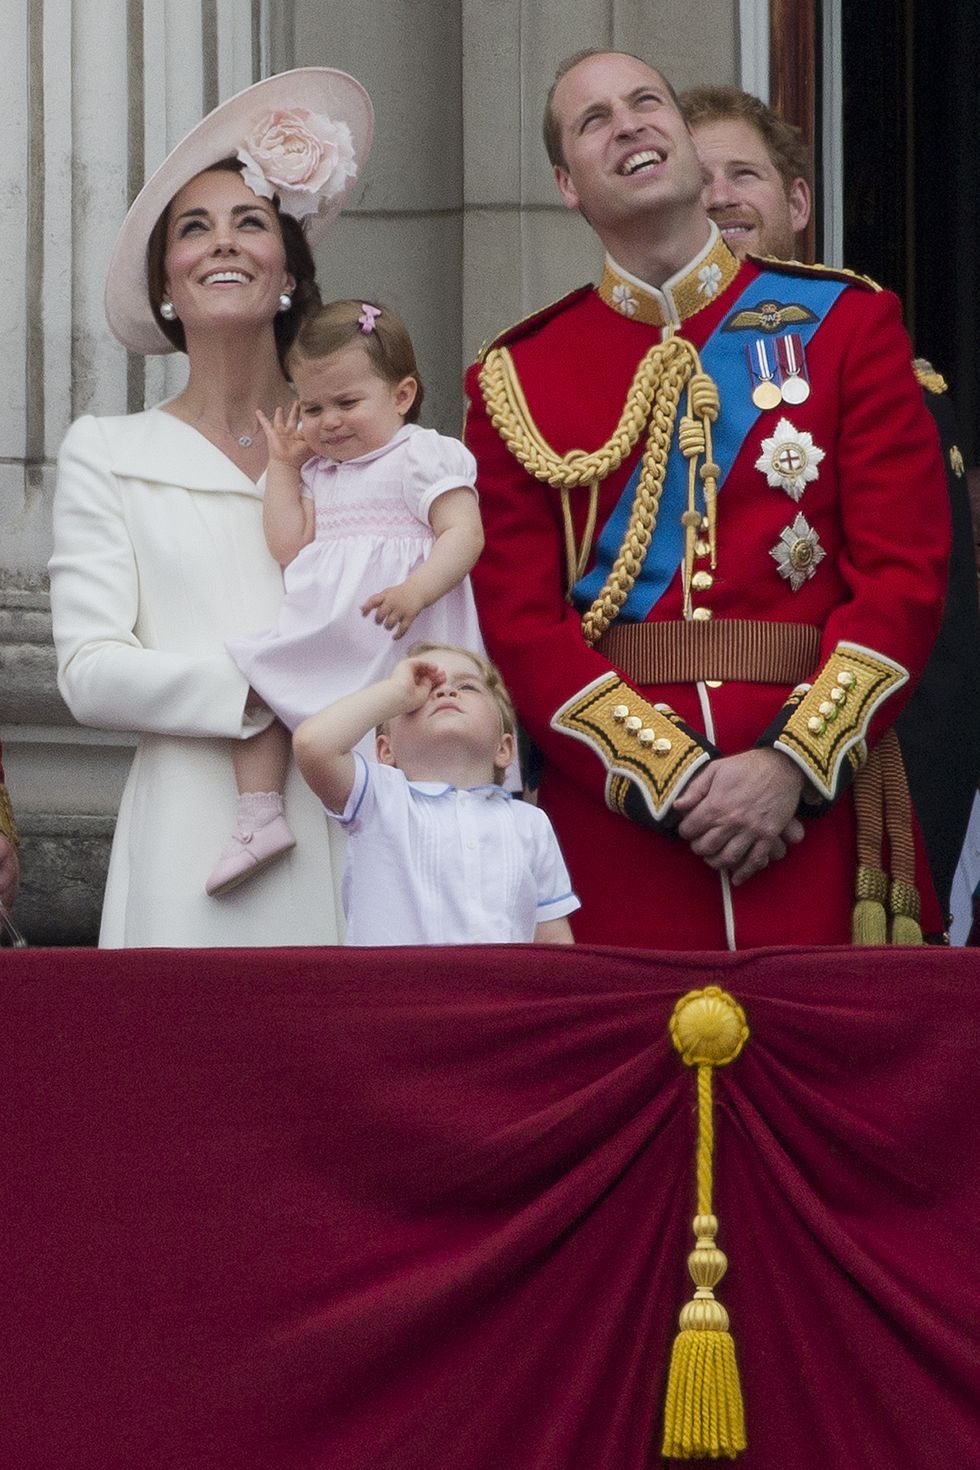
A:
x: 156, y: 447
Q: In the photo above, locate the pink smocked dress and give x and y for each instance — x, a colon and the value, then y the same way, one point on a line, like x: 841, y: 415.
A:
x: 372, y: 530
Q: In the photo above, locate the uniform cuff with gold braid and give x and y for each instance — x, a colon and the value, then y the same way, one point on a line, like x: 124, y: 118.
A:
x: 648, y: 751
x: 8, y: 827
x: 822, y: 726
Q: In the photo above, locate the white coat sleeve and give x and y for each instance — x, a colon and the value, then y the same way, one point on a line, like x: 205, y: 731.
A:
x: 106, y: 676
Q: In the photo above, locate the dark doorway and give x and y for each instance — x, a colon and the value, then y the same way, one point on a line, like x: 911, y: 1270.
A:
x: 910, y: 71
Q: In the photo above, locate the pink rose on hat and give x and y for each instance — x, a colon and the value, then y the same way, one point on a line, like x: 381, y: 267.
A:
x: 302, y: 156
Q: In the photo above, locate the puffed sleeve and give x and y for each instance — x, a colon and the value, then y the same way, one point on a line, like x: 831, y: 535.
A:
x: 433, y: 465
x: 107, y: 677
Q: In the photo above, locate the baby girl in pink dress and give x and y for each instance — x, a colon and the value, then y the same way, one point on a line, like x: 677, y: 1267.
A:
x: 376, y: 534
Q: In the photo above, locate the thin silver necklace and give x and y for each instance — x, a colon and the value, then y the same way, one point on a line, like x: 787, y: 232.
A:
x: 245, y: 441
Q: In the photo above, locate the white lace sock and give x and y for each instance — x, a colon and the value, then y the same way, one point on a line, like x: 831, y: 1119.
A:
x: 257, y: 809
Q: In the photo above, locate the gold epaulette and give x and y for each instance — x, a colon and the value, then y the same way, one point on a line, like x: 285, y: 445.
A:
x: 927, y: 376
x: 529, y: 324
x: 802, y: 268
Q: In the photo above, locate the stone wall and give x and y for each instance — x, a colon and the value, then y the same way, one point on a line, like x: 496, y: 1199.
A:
x: 455, y: 222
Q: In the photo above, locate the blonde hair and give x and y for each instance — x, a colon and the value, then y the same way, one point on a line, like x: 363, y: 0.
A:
x: 326, y: 329
x: 491, y: 677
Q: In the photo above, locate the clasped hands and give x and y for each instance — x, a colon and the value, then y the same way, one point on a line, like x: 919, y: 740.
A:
x: 739, y: 812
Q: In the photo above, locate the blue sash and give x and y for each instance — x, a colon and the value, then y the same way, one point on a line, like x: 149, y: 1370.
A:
x: 723, y: 357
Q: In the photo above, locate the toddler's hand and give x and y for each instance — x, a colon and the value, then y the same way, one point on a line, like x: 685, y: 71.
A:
x: 395, y: 607
x: 415, y: 679
x: 285, y: 442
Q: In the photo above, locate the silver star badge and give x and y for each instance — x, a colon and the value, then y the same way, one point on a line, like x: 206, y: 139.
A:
x: 798, y: 552
x: 789, y: 459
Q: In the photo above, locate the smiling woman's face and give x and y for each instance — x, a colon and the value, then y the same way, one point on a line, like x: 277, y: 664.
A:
x: 225, y: 262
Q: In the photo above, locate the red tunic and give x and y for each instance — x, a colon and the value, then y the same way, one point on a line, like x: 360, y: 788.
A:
x: 879, y: 507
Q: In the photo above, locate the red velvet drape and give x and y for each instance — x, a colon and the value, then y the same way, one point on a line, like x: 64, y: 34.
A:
x: 430, y: 1210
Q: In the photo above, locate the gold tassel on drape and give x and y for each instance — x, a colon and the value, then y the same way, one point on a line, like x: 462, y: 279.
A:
x: 704, y: 1418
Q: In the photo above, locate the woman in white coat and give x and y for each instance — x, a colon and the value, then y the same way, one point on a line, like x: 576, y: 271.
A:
x: 159, y: 554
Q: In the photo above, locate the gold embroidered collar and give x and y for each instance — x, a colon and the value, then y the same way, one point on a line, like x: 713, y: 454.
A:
x: 685, y: 294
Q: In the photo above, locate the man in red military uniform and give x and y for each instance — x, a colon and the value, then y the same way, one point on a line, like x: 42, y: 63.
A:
x: 756, y: 189
x: 9, y: 866
x: 716, y: 533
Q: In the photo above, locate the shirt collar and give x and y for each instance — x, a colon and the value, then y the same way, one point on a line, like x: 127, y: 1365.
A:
x: 693, y: 287
x: 443, y: 788
x: 398, y: 437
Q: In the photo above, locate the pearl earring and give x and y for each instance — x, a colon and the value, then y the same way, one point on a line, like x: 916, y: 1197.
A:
x: 285, y: 301
x: 167, y: 311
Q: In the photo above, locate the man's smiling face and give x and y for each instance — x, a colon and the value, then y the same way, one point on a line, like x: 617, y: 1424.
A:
x: 627, y: 150
x: 744, y: 192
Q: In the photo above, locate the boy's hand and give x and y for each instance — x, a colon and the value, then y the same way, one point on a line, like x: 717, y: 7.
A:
x: 283, y: 437
x: 396, y: 608
x: 414, y: 680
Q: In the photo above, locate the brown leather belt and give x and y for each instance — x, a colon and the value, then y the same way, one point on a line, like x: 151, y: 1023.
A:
x: 730, y: 648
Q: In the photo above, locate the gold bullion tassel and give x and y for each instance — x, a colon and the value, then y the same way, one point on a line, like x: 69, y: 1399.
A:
x: 704, y: 1417
x: 903, y: 896
x: 869, y: 921
x: 694, y: 441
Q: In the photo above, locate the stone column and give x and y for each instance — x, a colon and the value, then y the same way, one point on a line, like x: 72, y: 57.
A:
x: 522, y: 248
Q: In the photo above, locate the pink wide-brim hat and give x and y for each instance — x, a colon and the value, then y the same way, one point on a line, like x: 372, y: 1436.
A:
x: 320, y: 90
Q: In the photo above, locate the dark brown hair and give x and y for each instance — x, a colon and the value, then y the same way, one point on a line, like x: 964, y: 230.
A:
x: 327, y: 328
x: 299, y: 263
x: 784, y: 143
x: 551, y: 124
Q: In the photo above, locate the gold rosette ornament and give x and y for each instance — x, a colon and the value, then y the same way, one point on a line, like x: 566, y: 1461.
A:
x: 704, y: 1417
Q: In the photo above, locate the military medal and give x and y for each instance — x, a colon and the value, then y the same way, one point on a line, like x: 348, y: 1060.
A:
x: 789, y: 459
x: 793, y: 386
x: 798, y: 552
x: 765, y: 392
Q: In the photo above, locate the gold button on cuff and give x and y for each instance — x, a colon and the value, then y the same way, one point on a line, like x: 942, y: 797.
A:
x: 702, y: 614
x: 702, y: 548
x: 816, y: 724
x: 620, y: 711
x: 828, y: 710
x: 646, y: 737
x: 838, y: 695
x: 846, y: 679
x: 702, y: 581
x: 663, y: 746
x: 634, y: 723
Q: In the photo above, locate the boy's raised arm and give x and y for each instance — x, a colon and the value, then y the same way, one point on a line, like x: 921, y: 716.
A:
x: 322, y: 745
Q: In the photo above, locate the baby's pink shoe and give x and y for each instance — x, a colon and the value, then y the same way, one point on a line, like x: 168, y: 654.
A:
x: 247, y: 852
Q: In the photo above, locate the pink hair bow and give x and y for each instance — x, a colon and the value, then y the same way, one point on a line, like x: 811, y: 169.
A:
x: 368, y: 317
